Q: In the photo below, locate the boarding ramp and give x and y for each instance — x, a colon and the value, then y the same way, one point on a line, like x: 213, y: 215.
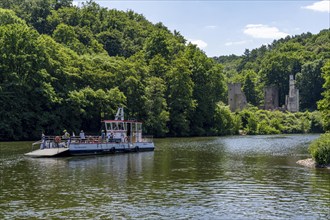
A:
x: 48, y: 152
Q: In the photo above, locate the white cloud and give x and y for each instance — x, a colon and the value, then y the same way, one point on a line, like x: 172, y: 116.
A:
x: 321, y: 6
x: 263, y: 31
x: 237, y: 42
x: 211, y: 27
x: 200, y: 43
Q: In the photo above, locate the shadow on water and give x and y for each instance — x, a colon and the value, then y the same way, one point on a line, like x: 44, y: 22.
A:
x: 239, y: 177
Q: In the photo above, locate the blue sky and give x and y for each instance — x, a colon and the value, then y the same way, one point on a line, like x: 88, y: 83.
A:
x: 221, y: 27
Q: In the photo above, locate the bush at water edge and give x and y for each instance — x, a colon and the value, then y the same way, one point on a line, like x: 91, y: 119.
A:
x: 320, y: 149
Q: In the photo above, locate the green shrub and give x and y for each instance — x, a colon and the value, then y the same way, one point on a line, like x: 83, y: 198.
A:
x: 316, y: 122
x: 276, y: 123
x: 224, y: 120
x: 252, y: 126
x: 255, y: 121
x: 264, y: 128
x: 320, y: 149
x: 237, y: 123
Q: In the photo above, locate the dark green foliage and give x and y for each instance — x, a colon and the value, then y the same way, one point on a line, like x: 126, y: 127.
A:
x: 276, y: 71
x: 324, y: 104
x: 156, y: 107
x: 256, y: 121
x: 224, y: 120
x: 309, y: 83
x: 64, y: 67
x: 180, y: 97
x: 250, y: 87
x: 320, y: 149
x: 316, y: 122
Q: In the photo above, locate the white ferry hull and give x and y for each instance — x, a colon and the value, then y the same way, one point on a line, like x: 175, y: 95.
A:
x: 108, y: 148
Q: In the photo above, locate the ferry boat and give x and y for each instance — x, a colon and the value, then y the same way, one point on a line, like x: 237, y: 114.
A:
x: 119, y: 135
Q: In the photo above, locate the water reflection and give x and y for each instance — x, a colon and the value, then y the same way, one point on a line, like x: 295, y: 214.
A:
x: 187, y: 178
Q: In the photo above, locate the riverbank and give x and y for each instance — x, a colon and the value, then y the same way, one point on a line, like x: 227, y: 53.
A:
x: 309, y: 162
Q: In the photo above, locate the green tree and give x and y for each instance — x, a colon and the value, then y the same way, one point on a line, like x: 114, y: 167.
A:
x: 324, y: 104
x: 156, y: 107
x: 276, y: 71
x: 250, y: 87
x: 65, y: 34
x: 224, y: 120
x: 179, y: 97
x: 309, y: 83
x: 88, y: 107
x: 36, y: 13
x: 9, y: 17
x: 112, y: 42
x: 27, y: 86
x: 158, y: 66
x: 157, y: 44
x: 209, y: 89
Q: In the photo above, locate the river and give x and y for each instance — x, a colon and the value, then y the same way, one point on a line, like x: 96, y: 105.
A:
x: 237, y: 177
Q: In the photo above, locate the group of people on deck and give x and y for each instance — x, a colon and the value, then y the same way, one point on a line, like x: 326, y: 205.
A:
x: 82, y: 136
x: 105, y: 137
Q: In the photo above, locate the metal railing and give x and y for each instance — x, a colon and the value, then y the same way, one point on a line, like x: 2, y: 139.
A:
x: 63, y: 142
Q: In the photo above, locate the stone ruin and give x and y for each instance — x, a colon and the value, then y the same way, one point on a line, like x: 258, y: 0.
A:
x: 237, y: 99
x: 271, y: 98
x: 292, y: 100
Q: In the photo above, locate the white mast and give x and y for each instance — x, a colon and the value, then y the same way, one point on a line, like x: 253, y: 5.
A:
x: 120, y: 114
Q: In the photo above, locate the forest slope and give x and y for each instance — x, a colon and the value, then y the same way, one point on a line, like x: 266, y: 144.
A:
x: 66, y: 67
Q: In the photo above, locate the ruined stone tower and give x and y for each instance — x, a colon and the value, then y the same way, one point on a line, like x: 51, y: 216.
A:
x: 271, y: 98
x: 236, y: 98
x: 292, y: 100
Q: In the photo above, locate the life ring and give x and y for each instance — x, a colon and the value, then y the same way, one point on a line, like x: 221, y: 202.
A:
x: 57, y: 139
x: 126, y: 139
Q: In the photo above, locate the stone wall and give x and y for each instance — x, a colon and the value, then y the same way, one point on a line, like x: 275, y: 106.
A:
x: 236, y: 97
x: 271, y: 98
x: 292, y: 100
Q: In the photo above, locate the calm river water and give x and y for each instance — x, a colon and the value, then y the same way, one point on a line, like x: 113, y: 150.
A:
x: 240, y: 177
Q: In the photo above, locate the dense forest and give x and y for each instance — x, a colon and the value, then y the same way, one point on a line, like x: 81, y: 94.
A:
x: 68, y: 67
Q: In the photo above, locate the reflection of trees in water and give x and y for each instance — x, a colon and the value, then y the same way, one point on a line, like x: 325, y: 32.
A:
x: 188, y: 160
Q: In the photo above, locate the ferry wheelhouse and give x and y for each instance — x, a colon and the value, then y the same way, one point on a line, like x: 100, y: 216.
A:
x: 119, y: 135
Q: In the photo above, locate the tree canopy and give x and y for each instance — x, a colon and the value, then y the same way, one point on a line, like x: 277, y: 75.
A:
x: 67, y: 67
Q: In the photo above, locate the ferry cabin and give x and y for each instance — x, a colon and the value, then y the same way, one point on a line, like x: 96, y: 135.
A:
x: 123, y: 131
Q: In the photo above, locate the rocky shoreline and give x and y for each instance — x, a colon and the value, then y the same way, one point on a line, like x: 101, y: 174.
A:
x: 311, y: 163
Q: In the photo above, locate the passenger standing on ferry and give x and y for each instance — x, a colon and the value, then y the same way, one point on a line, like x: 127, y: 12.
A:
x: 82, y: 135
x: 43, y: 141
x: 103, y: 136
x: 66, y: 135
x: 108, y: 137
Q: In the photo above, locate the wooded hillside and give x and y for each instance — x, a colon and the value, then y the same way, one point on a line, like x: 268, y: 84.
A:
x: 64, y: 67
